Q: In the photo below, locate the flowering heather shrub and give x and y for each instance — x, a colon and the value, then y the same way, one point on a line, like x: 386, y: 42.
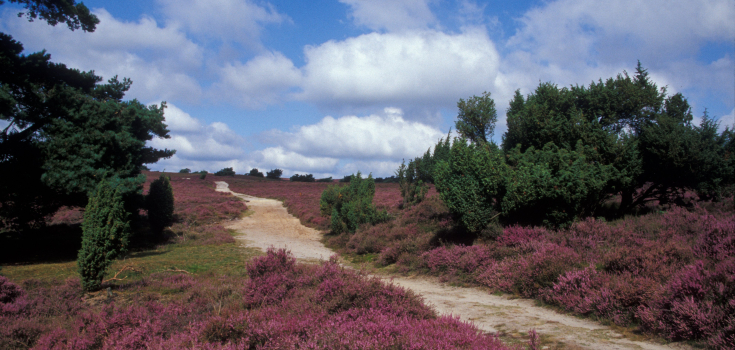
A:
x: 12, y: 298
x: 328, y: 308
x: 517, y: 235
x: 459, y: 258
x: 67, y: 215
x: 197, y: 203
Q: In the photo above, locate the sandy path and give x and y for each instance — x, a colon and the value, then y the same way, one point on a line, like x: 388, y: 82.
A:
x: 271, y: 225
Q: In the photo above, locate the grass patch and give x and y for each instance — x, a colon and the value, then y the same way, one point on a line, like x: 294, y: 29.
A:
x: 216, y: 260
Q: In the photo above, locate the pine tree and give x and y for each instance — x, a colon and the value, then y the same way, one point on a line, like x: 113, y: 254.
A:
x: 105, y: 233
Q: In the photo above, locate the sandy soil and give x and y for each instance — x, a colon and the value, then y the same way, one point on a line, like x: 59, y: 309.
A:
x: 270, y: 224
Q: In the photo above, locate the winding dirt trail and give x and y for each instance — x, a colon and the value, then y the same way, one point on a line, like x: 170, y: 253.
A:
x: 271, y: 225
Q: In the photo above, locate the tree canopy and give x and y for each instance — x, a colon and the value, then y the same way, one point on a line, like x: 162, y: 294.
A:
x: 477, y: 117
x: 59, y: 11
x: 65, y: 130
x: 568, y: 150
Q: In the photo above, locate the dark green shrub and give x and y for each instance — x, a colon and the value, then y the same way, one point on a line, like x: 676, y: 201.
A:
x: 413, y: 189
x: 304, y: 178
x: 472, y: 183
x: 202, y: 175
x: 352, y: 205
x: 105, y: 233
x: 274, y: 174
x: 255, y: 172
x: 185, y: 171
x: 225, y: 172
x: 326, y: 179
x: 160, y: 204
x: 347, y: 178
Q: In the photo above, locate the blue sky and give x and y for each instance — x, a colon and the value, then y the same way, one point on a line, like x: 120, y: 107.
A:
x: 333, y: 87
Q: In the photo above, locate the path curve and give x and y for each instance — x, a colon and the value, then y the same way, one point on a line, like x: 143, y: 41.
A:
x: 270, y: 224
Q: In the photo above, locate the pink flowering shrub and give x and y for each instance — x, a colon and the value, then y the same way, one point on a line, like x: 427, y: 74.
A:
x: 309, y: 307
x: 197, y: 203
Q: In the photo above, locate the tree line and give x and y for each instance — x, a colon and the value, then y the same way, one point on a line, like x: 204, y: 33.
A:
x: 569, y: 150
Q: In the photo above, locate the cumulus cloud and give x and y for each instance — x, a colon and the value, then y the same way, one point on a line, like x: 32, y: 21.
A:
x: 278, y: 157
x: 228, y: 20
x: 427, y: 68
x: 576, y: 41
x: 727, y: 121
x: 374, y: 137
x: 391, y: 15
x: 259, y: 82
x: 157, y: 59
x: 194, y: 141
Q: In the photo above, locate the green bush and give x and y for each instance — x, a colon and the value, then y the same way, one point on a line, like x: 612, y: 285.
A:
x: 105, y: 233
x: 326, y: 179
x: 472, y: 182
x: 202, y: 175
x: 225, y: 172
x: 304, y: 178
x: 352, y: 205
x: 160, y: 204
x: 274, y: 174
x: 185, y: 171
x: 255, y: 172
x: 413, y: 190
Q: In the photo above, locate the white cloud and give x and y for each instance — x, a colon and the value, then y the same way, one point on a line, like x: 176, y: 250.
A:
x: 374, y: 137
x: 261, y: 81
x: 376, y: 168
x: 611, y: 30
x: 194, y: 141
x: 391, y: 15
x: 228, y: 20
x: 277, y: 157
x: 576, y: 41
x: 156, y: 59
x: 727, y: 121
x: 430, y: 69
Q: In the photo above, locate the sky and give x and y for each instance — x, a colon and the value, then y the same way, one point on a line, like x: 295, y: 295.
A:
x: 330, y: 88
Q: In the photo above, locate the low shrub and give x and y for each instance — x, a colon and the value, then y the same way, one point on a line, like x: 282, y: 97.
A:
x: 351, y: 206
x: 225, y: 172
x: 274, y: 174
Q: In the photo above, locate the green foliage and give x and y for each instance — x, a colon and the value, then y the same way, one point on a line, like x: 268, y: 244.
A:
x: 105, y: 232
x: 185, y: 171
x: 347, y: 178
x: 553, y: 184
x: 160, y: 204
x: 255, y: 172
x: 202, y: 174
x: 304, y: 178
x: 472, y: 182
x: 326, y: 179
x: 225, y: 172
x: 413, y: 190
x: 59, y: 11
x: 567, y: 150
x: 352, y: 205
x: 477, y: 117
x: 274, y: 174
x: 65, y: 133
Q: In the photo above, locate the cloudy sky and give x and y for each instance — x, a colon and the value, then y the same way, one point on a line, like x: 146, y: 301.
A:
x: 330, y: 87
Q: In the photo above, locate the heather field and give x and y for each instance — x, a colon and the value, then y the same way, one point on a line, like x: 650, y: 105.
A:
x: 302, y: 198
x: 197, y: 289
x: 669, y: 273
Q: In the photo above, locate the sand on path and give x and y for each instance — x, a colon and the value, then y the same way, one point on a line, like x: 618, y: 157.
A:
x: 270, y: 225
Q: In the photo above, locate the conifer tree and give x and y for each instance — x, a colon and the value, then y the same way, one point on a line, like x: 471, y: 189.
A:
x: 160, y: 204
x: 105, y: 233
